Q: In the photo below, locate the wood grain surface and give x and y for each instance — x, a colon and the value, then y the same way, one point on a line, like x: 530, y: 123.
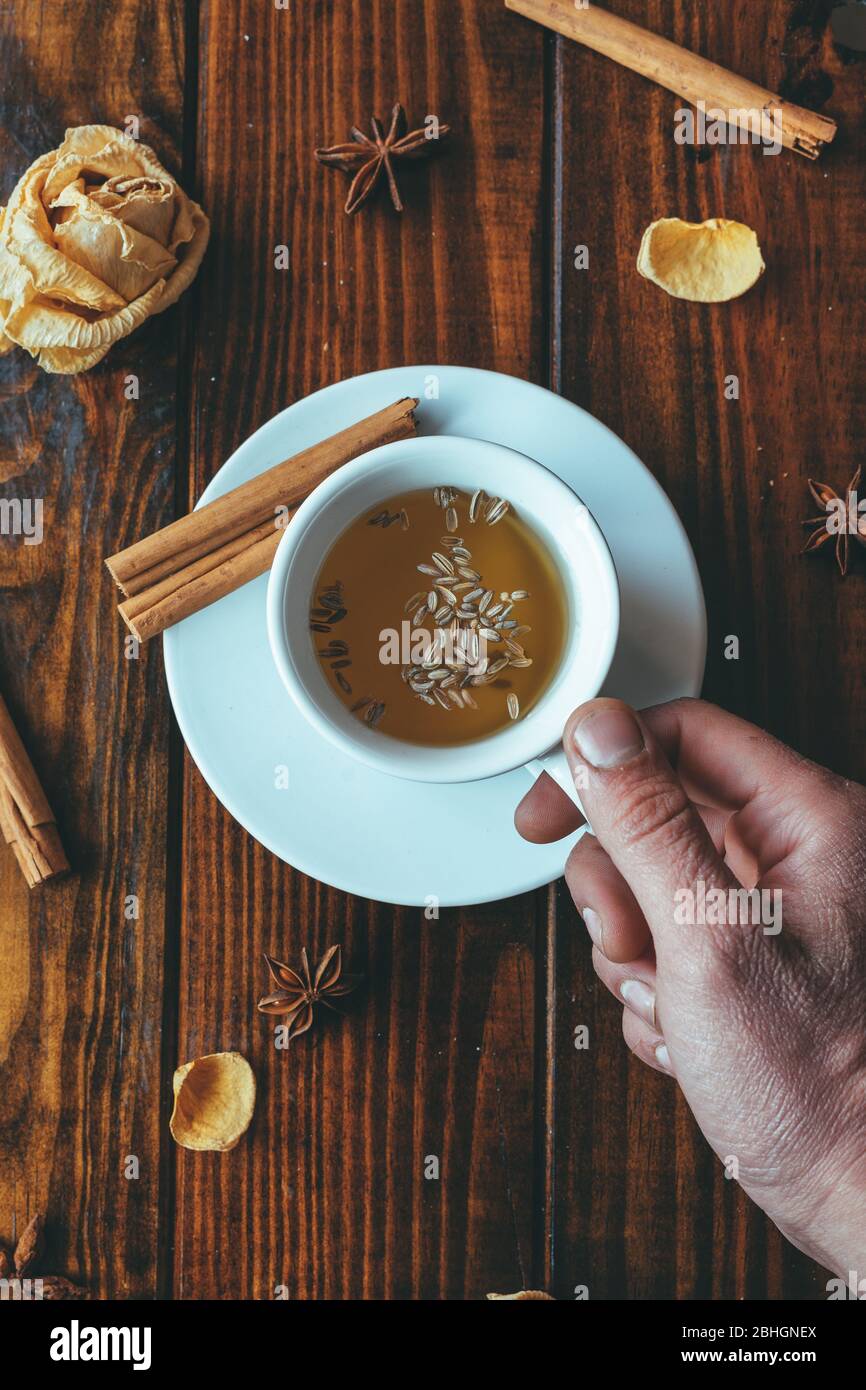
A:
x: 85, y: 984
x: 558, y: 1168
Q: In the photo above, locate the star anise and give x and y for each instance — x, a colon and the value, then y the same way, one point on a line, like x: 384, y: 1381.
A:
x: 832, y: 504
x: 23, y: 1283
x: 366, y: 158
x: 299, y: 991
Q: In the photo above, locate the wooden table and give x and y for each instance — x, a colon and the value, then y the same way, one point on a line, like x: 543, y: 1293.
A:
x: 557, y: 1167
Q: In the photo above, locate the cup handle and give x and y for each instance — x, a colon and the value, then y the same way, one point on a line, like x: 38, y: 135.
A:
x: 556, y: 766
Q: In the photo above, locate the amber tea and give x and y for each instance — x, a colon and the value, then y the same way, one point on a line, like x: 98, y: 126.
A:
x: 439, y: 617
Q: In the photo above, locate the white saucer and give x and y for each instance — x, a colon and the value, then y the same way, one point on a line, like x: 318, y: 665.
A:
x: 383, y: 837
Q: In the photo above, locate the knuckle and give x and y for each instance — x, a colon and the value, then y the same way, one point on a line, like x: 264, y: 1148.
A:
x: 654, y: 811
x: 687, y: 702
x: 681, y: 704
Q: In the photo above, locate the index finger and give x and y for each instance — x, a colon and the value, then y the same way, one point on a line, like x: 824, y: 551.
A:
x: 722, y: 760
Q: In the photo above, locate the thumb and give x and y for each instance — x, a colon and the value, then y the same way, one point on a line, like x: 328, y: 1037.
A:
x: 644, y: 820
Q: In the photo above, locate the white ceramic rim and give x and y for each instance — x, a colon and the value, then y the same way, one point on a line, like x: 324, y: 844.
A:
x: 554, y: 511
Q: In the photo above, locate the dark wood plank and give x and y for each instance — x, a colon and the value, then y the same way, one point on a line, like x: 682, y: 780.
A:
x: 81, y: 1005
x: 643, y: 1209
x: 445, y: 1052
x: 438, y: 1056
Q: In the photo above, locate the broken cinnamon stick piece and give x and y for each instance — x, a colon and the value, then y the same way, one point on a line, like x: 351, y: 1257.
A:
x: 26, y: 820
x: 690, y: 76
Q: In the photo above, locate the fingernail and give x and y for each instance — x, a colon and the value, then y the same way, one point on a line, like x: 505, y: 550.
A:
x: 663, y: 1057
x: 640, y: 999
x: 608, y: 738
x: 593, y: 925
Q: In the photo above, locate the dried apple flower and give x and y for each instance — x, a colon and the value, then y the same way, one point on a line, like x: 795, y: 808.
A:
x: 96, y: 237
x: 214, y: 1099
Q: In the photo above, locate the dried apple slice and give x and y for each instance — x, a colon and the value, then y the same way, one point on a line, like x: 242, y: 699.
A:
x: 214, y: 1099
x: 706, y: 262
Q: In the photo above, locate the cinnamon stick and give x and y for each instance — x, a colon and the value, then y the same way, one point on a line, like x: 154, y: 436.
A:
x: 247, y: 507
x: 193, y: 588
x: 26, y: 820
x: 694, y: 78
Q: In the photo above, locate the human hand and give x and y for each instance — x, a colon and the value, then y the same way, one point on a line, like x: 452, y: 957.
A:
x: 761, y: 1022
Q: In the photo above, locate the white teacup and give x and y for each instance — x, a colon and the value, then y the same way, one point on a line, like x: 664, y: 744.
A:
x: 562, y: 523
